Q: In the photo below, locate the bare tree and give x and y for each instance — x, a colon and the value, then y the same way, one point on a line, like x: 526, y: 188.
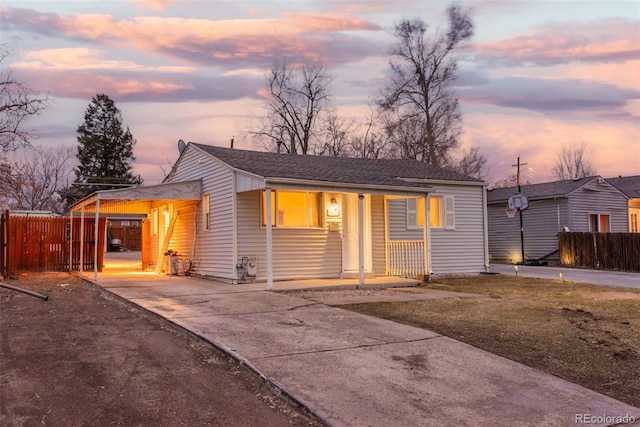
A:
x: 372, y: 143
x: 573, y: 162
x: 297, y: 99
x: 33, y: 181
x: 510, y: 181
x: 472, y: 163
x: 336, y: 133
x: 17, y: 103
x: 422, y: 114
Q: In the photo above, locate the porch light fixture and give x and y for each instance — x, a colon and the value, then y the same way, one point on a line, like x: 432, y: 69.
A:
x: 334, y: 208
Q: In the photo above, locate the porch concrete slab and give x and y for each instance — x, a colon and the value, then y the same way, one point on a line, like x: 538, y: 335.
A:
x: 354, y: 369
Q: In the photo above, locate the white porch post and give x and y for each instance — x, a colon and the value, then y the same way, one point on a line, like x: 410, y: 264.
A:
x: 81, y: 267
x: 268, y: 202
x: 360, y: 239
x: 96, y: 233
x: 427, y: 234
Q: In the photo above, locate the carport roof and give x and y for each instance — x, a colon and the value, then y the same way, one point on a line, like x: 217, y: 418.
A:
x: 142, y: 195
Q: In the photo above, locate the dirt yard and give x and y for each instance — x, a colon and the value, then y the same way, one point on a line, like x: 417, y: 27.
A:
x: 86, y: 358
x: 589, y: 335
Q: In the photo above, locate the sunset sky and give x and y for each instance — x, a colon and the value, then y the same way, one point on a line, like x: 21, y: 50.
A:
x: 538, y: 74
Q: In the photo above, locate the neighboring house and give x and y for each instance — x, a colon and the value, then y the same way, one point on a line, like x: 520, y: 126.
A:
x: 630, y: 185
x: 589, y: 204
x: 265, y: 216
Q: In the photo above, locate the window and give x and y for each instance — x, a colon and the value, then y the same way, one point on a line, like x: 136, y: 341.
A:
x: 441, y: 212
x: 634, y: 220
x: 295, y: 209
x: 125, y: 223
x: 135, y: 223
x: 154, y: 222
x: 599, y: 223
x: 206, y: 211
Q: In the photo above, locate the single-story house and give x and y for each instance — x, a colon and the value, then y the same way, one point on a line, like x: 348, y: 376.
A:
x: 589, y: 204
x: 630, y: 185
x: 244, y: 215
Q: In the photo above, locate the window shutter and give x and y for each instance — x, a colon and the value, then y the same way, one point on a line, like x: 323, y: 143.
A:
x: 412, y: 214
x: 449, y: 213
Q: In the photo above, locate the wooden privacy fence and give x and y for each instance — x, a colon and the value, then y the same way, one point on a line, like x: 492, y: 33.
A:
x: 606, y: 251
x: 42, y: 244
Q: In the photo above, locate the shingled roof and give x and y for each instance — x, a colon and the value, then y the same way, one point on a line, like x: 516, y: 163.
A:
x: 384, y: 172
x: 546, y: 190
x: 629, y: 185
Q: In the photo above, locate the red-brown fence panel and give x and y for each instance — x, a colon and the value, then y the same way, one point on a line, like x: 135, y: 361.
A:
x: 42, y: 244
x: 607, y: 251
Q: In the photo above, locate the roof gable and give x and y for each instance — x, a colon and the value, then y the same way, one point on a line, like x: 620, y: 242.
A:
x: 629, y: 185
x: 546, y: 190
x: 383, y: 172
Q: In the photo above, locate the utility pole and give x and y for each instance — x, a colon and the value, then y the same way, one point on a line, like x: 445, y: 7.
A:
x: 520, y: 210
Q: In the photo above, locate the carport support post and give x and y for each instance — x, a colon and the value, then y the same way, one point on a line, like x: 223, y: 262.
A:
x: 267, y: 195
x: 71, y: 240
x: 360, y: 239
x: 81, y: 267
x: 96, y: 233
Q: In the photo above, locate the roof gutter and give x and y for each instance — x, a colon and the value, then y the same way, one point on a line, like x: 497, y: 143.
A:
x: 346, y: 187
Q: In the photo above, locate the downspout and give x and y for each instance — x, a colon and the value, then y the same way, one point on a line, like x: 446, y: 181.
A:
x: 269, y: 239
x: 486, y: 228
x: 360, y: 239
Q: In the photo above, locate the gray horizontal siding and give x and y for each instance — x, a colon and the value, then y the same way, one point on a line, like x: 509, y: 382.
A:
x: 297, y: 253
x: 599, y: 198
x: 461, y: 250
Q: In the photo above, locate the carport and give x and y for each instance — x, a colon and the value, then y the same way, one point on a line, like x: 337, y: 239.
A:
x: 132, y: 200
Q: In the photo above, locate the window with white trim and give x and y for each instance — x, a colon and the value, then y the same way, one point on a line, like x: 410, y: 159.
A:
x: 441, y: 212
x: 634, y: 220
x: 154, y: 222
x: 206, y: 210
x: 599, y: 223
x: 293, y: 209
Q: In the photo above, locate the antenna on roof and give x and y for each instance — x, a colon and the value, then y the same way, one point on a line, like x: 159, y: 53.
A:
x: 181, y: 146
x: 232, y: 138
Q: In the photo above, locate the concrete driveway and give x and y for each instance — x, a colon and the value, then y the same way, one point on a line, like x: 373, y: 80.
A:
x: 355, y: 370
x: 597, y: 277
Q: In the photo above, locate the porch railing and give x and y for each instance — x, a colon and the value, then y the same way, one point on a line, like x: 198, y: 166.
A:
x: 405, y: 258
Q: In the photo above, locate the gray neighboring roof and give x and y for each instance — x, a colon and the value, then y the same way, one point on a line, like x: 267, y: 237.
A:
x: 383, y: 172
x: 546, y: 190
x: 629, y: 185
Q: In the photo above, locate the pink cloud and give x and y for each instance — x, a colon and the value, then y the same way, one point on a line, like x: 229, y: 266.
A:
x: 207, y: 41
x: 330, y: 22
x: 614, y: 39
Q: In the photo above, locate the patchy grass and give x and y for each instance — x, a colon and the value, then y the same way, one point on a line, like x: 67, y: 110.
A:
x: 586, y: 334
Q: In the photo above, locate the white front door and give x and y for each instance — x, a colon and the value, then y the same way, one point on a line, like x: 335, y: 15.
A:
x: 350, y: 241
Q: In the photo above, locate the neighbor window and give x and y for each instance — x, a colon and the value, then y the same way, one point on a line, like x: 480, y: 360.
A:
x: 154, y: 222
x: 441, y: 212
x: 125, y: 223
x: 634, y: 220
x: 599, y: 223
x: 295, y: 209
x: 205, y: 211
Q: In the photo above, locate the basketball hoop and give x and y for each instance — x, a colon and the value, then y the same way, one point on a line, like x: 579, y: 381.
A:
x: 511, y: 212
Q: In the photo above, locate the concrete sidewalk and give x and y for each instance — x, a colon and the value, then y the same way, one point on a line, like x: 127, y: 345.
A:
x: 355, y: 370
x: 596, y: 277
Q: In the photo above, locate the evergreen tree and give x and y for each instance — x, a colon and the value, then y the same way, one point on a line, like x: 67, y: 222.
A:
x: 105, y: 152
